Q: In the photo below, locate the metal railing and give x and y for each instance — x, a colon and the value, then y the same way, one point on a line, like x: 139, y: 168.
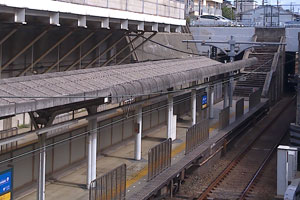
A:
x: 110, y: 186
x: 8, y: 133
x: 196, y: 135
x: 159, y: 158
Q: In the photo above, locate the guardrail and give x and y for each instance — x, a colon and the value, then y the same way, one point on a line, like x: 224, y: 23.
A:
x: 196, y: 135
x: 110, y: 186
x: 159, y: 158
x: 8, y: 133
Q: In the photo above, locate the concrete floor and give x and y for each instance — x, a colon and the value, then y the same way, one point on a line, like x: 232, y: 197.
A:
x: 70, y: 185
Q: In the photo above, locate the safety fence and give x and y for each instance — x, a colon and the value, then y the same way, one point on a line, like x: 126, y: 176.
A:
x: 254, y: 99
x: 159, y: 158
x: 224, y: 118
x: 239, y: 108
x: 110, y: 186
x: 8, y: 133
x: 196, y: 135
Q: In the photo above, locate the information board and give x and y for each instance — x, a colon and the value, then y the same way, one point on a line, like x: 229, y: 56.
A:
x: 204, y: 101
x: 6, y: 185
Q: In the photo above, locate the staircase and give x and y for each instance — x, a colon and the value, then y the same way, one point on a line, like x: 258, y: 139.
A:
x: 254, y: 77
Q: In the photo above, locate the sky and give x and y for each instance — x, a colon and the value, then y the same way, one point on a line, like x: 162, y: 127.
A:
x: 287, y: 3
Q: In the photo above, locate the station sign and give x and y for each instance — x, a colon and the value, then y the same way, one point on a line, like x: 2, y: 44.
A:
x: 6, y: 186
x: 204, y: 101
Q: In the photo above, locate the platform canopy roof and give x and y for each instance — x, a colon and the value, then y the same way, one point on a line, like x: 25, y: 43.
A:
x: 32, y: 93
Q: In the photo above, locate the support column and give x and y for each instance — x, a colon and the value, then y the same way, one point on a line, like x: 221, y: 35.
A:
x: 194, y: 107
x: 211, y: 102
x: 170, y: 116
x: 230, y: 91
x: 138, y: 137
x: 92, y: 148
x: 225, y: 102
x: 42, y: 167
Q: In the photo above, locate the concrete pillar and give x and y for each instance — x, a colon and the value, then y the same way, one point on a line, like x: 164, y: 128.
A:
x: 225, y: 102
x: 211, y: 102
x: 138, y: 137
x: 230, y: 91
x: 42, y: 167
x: 92, y: 148
x: 170, y: 115
x: 194, y: 106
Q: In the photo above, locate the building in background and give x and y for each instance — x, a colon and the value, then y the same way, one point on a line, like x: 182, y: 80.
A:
x: 267, y: 16
x: 245, y: 5
x: 207, y: 7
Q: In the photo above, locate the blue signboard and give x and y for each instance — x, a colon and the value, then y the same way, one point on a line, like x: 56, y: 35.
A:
x: 5, y: 182
x: 204, y: 101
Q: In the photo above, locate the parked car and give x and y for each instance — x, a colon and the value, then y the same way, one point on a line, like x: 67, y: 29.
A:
x: 211, y: 20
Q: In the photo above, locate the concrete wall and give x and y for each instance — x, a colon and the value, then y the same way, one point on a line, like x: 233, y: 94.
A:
x: 221, y: 34
x: 153, y: 51
x: 241, y: 34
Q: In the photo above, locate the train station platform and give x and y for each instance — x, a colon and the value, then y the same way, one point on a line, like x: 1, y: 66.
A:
x: 73, y: 182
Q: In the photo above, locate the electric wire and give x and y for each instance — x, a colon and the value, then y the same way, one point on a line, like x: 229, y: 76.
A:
x: 112, y: 123
x: 78, y: 136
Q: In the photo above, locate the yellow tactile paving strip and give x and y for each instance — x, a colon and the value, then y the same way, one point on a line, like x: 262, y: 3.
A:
x: 140, y: 174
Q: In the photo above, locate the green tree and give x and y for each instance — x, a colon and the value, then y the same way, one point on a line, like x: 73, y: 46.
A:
x: 228, y: 13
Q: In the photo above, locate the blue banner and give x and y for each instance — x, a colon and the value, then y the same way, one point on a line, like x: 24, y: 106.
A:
x: 6, y: 181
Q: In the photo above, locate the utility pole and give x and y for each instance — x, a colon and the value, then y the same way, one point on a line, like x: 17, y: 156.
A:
x: 264, y: 18
x: 278, y: 12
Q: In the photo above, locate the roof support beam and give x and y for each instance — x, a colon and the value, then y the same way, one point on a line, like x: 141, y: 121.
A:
x: 54, y: 19
x: 69, y: 52
x: 141, y: 26
x: 45, y: 54
x: 124, y: 24
x: 155, y: 27
x: 104, y: 52
x: 24, y: 49
x: 133, y: 50
x: 121, y: 50
x: 20, y: 16
x: 178, y: 29
x: 82, y: 21
x: 167, y: 28
x: 105, y: 23
x: 89, y: 51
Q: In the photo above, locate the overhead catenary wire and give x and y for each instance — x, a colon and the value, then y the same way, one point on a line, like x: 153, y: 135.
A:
x: 102, y: 127
x: 51, y: 146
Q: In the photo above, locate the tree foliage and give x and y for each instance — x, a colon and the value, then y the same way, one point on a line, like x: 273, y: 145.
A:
x: 228, y: 13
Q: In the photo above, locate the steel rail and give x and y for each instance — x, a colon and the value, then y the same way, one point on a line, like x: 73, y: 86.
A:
x: 236, y: 160
x: 266, y: 160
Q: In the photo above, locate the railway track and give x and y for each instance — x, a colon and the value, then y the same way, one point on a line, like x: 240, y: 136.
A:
x: 238, y: 178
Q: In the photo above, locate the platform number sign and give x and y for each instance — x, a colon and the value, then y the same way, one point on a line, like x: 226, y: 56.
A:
x: 204, y: 101
x: 6, y: 185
